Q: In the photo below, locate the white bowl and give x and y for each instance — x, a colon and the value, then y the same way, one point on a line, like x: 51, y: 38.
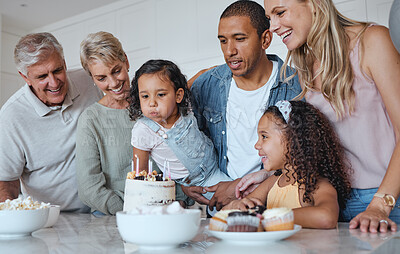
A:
x: 17, y: 223
x: 53, y: 216
x: 158, y: 231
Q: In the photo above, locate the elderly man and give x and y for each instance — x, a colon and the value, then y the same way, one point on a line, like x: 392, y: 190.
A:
x: 229, y: 99
x: 38, y: 124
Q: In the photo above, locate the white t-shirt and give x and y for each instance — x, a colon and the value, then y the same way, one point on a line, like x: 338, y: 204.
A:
x: 244, y: 110
x: 146, y: 139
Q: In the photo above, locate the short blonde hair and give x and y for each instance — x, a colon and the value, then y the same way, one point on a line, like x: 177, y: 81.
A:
x: 328, y: 43
x: 103, y: 47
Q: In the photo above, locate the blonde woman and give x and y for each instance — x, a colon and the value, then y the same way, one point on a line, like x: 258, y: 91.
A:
x: 350, y: 71
x: 103, y: 150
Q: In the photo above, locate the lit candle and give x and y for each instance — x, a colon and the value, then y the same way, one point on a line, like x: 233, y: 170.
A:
x: 150, y: 167
x: 137, y: 165
x: 164, y: 170
x: 169, y: 170
x: 133, y: 166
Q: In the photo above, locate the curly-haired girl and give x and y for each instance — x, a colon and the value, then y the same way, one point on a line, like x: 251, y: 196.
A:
x: 166, y: 128
x: 297, y: 141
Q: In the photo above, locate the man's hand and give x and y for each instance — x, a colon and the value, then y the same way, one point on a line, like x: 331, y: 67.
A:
x: 224, y: 194
x: 373, y: 218
x: 195, y: 193
x: 249, y: 183
x: 243, y: 204
x: 9, y: 190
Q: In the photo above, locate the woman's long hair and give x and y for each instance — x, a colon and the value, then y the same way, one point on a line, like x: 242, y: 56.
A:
x: 327, y: 43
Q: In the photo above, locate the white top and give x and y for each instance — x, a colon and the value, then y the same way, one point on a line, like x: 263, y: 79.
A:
x: 244, y: 110
x: 146, y: 139
x: 38, y: 143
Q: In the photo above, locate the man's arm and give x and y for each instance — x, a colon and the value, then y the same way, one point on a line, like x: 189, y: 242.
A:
x: 9, y: 190
x: 196, y: 193
x: 224, y: 193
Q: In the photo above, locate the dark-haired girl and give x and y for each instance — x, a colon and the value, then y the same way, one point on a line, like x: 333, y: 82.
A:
x: 166, y: 129
x: 297, y: 141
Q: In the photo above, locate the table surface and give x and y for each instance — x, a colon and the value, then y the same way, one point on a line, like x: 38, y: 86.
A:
x: 85, y: 233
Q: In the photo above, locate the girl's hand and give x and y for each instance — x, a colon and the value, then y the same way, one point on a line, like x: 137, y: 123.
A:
x: 249, y: 183
x: 243, y: 204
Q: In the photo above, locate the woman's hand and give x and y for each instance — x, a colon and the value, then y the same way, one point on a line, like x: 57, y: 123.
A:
x: 374, y: 218
x: 249, y: 183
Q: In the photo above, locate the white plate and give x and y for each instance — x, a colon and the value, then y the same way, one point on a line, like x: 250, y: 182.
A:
x: 253, y: 237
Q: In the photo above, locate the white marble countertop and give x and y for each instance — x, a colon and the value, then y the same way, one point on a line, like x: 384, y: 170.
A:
x: 85, y: 233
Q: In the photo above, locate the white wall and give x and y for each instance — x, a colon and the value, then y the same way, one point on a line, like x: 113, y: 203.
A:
x: 184, y: 31
x: 10, y: 80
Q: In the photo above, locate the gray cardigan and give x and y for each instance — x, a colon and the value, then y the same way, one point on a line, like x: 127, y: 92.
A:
x: 103, y: 157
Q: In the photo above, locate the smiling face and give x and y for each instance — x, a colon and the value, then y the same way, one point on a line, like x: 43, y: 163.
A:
x: 48, y: 80
x: 291, y: 20
x: 270, y: 145
x: 158, y: 99
x: 240, y: 44
x: 112, y: 79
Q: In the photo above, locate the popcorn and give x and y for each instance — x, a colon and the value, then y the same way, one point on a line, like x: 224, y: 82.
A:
x: 22, y: 204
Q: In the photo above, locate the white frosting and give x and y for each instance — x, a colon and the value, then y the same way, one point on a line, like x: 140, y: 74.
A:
x: 22, y: 204
x: 140, y: 193
x: 173, y: 208
x: 223, y: 214
x: 273, y: 212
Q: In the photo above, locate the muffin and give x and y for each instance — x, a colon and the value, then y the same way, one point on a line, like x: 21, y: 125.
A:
x: 258, y: 211
x: 276, y: 219
x: 241, y: 221
x: 218, y: 221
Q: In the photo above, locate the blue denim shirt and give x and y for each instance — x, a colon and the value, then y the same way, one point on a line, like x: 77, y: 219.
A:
x: 210, y: 96
x: 194, y: 150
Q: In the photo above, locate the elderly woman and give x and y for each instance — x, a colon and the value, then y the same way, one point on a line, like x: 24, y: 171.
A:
x: 103, y: 150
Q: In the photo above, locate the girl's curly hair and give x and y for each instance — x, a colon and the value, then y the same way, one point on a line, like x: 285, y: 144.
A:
x: 313, y: 150
x: 166, y: 70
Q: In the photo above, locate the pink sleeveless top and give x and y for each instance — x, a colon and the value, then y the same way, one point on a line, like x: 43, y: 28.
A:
x: 367, y: 135
x: 287, y: 196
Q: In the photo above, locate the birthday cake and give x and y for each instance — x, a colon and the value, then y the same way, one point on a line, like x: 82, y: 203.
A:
x: 147, y: 189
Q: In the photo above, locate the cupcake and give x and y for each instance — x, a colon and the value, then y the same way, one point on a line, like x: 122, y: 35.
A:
x: 218, y: 221
x: 241, y: 221
x: 276, y: 219
x: 258, y: 211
